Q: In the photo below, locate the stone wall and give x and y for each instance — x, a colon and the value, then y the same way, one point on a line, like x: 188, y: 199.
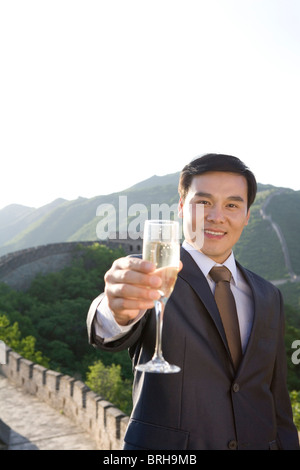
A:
x: 105, y: 423
x: 19, y: 268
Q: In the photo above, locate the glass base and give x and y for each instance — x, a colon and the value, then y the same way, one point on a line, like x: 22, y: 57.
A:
x: 158, y: 366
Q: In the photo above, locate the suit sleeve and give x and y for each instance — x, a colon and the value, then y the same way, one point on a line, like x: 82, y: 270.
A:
x: 287, y: 434
x: 120, y: 344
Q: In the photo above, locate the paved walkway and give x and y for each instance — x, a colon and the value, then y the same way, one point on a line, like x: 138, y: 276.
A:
x: 35, y: 425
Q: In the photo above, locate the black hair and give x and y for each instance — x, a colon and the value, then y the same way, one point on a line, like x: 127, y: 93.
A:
x: 216, y: 162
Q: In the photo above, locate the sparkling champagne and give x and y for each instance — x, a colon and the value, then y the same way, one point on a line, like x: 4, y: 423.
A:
x: 166, y: 258
x: 161, y: 247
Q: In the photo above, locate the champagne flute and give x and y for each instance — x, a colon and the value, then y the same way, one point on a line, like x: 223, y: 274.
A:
x: 161, y: 247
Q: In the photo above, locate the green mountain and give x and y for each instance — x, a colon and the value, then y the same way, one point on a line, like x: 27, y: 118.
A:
x: 24, y: 227
x: 15, y: 218
x: 268, y: 246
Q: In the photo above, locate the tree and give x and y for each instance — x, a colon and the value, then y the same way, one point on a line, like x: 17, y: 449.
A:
x: 107, y: 382
x: 295, y: 400
x: 11, y: 335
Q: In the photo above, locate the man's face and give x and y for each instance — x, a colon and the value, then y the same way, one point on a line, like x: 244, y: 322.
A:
x: 224, y: 198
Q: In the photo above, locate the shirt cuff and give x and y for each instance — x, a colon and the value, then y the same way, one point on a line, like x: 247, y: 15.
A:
x: 106, y: 326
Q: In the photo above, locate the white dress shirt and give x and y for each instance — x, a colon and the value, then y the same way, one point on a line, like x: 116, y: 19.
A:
x: 107, y: 328
x: 239, y: 287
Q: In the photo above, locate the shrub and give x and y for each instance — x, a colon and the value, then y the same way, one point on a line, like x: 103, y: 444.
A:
x: 108, y: 383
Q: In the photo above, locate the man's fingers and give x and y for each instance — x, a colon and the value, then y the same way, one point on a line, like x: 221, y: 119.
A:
x: 130, y: 291
x: 129, y: 306
x: 136, y: 264
x: 131, y: 286
x: 139, y: 278
x: 133, y: 271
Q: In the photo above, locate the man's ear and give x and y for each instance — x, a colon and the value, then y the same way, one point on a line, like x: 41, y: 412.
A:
x: 180, y: 208
x: 247, y: 218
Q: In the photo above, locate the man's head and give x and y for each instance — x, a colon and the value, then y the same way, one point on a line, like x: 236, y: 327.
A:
x: 224, y: 189
x: 216, y: 162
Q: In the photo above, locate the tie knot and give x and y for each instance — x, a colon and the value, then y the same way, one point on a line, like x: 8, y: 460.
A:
x: 220, y: 273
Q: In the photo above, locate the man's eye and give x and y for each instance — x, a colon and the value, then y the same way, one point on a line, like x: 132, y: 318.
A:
x: 232, y: 205
x: 202, y: 202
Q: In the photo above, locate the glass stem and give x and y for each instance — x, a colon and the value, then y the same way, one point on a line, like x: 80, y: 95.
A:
x: 159, y: 310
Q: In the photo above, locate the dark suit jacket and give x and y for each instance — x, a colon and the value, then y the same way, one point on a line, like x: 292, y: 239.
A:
x: 207, y: 405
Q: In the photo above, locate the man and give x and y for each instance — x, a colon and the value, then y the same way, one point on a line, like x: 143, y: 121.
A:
x: 217, y: 401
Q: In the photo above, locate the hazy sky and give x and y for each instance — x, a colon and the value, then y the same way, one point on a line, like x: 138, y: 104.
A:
x: 98, y: 95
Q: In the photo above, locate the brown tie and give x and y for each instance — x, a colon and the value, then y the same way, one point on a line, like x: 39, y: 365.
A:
x: 227, y: 308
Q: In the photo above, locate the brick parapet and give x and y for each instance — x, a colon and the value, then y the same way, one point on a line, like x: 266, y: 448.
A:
x: 105, y: 423
x: 19, y: 268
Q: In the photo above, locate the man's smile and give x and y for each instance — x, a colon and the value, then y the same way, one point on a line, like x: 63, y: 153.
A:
x: 213, y: 233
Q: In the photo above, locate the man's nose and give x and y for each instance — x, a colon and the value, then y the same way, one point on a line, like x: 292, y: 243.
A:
x: 215, y: 214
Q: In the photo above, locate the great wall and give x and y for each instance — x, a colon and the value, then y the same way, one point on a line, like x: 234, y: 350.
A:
x: 41, y: 408
x: 104, y: 422
x: 19, y: 268
x: 69, y: 397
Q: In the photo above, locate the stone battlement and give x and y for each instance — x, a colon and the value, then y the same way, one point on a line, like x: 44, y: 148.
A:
x: 105, y: 423
x: 19, y: 268
x: 101, y: 419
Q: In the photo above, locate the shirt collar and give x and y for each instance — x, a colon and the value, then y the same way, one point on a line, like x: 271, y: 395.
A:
x: 206, y: 264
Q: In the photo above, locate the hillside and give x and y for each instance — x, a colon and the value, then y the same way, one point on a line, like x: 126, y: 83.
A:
x: 284, y: 208
x: 15, y: 219
x: 75, y: 220
x: 259, y: 249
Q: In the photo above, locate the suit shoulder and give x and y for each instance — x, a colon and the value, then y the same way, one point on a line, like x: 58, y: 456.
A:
x: 258, y: 280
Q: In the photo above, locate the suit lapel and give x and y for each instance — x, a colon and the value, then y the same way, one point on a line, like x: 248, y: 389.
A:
x: 259, y: 307
x: 195, y: 278
x: 193, y: 275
